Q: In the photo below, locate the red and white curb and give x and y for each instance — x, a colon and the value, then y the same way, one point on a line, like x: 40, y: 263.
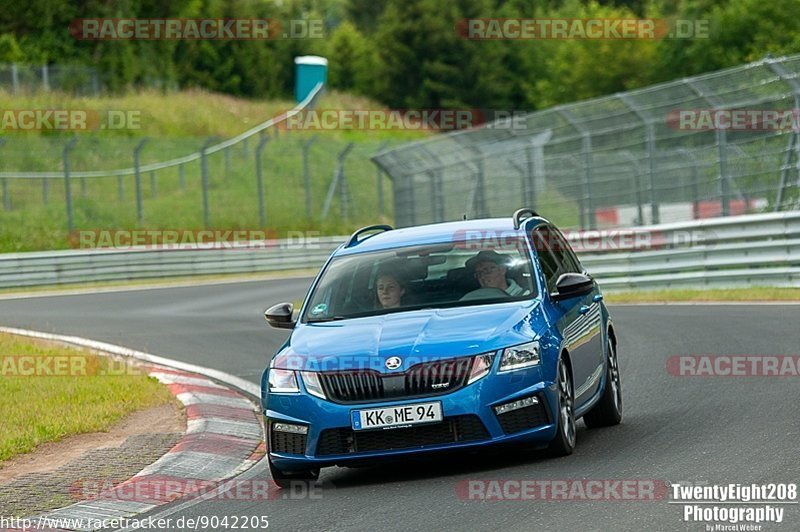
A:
x: 224, y: 437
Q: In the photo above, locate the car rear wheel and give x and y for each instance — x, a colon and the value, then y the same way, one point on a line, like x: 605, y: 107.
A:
x: 564, y: 442
x: 287, y: 480
x: 608, y: 411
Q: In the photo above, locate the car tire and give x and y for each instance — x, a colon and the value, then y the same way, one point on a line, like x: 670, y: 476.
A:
x: 564, y: 442
x: 608, y: 411
x: 287, y: 480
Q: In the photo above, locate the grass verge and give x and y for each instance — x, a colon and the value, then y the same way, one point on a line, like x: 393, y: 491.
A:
x: 734, y: 294
x: 33, y: 216
x: 70, y: 391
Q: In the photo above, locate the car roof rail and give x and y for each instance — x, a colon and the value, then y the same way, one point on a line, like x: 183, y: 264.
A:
x: 519, y: 215
x: 353, y: 240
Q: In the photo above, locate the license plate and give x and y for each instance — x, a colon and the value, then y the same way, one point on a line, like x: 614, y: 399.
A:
x: 397, y: 416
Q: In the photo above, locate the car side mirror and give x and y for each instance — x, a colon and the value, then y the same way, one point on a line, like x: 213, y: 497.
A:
x: 280, y: 316
x: 572, y: 285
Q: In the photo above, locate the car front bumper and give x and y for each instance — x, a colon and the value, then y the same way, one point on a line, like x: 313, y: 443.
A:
x: 469, y: 421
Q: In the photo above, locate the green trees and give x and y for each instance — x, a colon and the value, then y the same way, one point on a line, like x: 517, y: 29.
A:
x: 407, y: 53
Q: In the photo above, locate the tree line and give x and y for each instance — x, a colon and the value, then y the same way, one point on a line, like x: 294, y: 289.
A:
x: 407, y: 53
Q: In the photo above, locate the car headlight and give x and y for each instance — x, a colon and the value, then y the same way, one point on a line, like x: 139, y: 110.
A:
x: 520, y: 357
x: 311, y: 380
x: 283, y: 381
x: 480, y: 367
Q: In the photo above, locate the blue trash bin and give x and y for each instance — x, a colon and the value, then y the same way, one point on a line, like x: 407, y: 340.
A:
x: 309, y: 70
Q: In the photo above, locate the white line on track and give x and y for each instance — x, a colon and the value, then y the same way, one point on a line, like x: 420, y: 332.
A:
x: 251, y: 389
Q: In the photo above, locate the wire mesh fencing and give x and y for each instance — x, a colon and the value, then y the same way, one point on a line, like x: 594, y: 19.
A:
x: 717, y: 144
x: 266, y: 178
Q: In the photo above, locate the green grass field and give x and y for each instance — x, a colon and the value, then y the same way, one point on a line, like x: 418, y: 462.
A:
x: 177, y: 124
x: 46, y: 407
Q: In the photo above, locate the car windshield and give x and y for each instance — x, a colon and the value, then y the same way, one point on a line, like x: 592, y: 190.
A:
x: 423, y: 276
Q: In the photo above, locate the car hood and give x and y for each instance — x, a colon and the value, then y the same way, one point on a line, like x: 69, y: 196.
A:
x: 413, y: 336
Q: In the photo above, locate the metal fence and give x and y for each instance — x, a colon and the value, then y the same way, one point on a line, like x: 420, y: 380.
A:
x: 16, y: 78
x: 74, y: 79
x: 620, y: 160
x: 753, y: 250
x: 263, y: 177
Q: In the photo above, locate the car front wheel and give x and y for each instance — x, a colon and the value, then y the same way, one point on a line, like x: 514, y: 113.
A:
x: 608, y: 411
x: 564, y: 442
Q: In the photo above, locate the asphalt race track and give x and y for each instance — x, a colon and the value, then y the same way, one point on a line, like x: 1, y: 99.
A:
x: 676, y: 429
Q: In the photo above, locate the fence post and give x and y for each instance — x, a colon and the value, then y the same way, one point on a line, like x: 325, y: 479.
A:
x: 337, y: 176
x: 722, y: 151
x: 724, y: 186
x: 227, y: 162
x: 587, y: 214
x: 344, y: 191
x: 307, y: 173
x: 787, y: 159
x: 204, y: 175
x: 695, y: 193
x: 791, y: 80
x: 14, y: 79
x: 534, y: 185
x: 655, y: 209
x: 152, y: 184
x: 6, y: 197
x: 379, y: 176
x: 67, y: 189
x: 138, y: 178
x: 479, y: 199
x: 45, y: 78
x: 637, y: 186
x: 262, y: 215
x: 437, y: 200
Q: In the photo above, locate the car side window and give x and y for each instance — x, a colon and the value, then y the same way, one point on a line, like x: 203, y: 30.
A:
x: 547, y: 259
x: 564, y: 252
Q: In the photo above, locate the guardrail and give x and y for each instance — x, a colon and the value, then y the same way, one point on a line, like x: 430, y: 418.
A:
x: 753, y: 250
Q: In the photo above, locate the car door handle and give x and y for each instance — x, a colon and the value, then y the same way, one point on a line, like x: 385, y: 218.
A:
x: 584, y: 309
x: 597, y: 298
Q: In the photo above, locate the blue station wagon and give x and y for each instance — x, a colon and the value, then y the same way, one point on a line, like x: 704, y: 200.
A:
x: 447, y: 336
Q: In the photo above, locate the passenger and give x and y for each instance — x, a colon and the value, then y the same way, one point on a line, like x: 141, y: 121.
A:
x: 389, y: 289
x: 490, y: 269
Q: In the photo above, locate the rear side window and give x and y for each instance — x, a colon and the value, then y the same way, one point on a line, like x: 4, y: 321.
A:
x: 547, y: 259
x: 564, y: 252
x: 555, y: 254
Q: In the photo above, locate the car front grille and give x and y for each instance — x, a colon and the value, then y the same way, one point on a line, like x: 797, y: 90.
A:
x: 450, y: 430
x: 287, y: 442
x: 524, y: 418
x: 421, y: 380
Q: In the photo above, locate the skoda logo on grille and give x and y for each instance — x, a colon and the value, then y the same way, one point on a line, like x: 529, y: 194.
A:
x: 393, y: 362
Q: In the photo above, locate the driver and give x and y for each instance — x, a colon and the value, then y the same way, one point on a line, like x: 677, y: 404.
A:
x: 389, y: 289
x: 490, y: 269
